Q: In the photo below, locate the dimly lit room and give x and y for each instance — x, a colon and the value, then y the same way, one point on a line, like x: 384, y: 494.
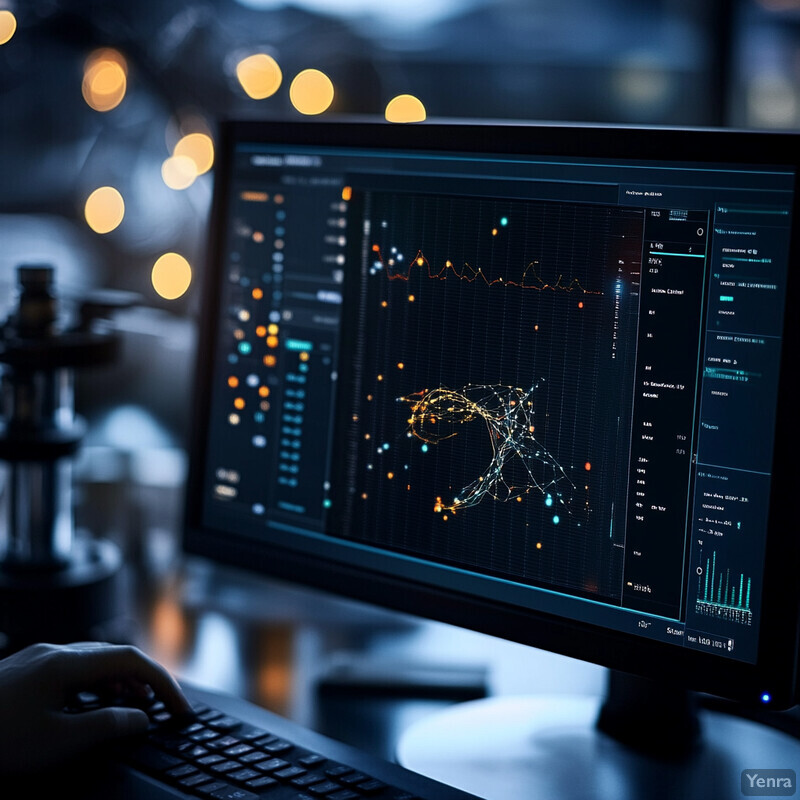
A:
x: 397, y: 399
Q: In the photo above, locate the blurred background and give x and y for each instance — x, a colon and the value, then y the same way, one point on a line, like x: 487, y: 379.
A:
x: 107, y: 128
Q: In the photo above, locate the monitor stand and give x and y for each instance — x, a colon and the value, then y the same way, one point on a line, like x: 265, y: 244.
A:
x: 640, y: 741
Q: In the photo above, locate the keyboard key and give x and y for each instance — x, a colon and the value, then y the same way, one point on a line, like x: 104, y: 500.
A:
x: 278, y: 747
x: 271, y: 764
x: 353, y: 778
x: 213, y: 758
x: 206, y: 735
x: 339, y: 770
x: 264, y: 782
x: 224, y: 766
x: 249, y: 733
x: 223, y: 743
x: 324, y: 788
x: 192, y: 781
x: 311, y: 760
x: 238, y: 750
x: 207, y: 788
x: 208, y: 715
x: 224, y: 724
x: 266, y: 739
x: 345, y: 794
x: 289, y: 773
x: 307, y: 780
x: 233, y: 793
x: 242, y: 775
x: 192, y: 727
x: 371, y: 786
x: 182, y: 772
x: 252, y: 758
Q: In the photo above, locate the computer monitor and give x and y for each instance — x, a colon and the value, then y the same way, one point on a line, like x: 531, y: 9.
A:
x: 532, y: 380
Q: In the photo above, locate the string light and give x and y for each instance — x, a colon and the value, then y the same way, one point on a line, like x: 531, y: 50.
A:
x: 105, y: 79
x: 405, y: 108
x: 259, y: 75
x: 199, y: 147
x: 311, y: 92
x: 8, y: 26
x: 104, y: 209
x: 179, y: 172
x: 171, y: 276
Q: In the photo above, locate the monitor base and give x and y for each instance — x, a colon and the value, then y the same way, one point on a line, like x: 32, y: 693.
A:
x: 549, y: 746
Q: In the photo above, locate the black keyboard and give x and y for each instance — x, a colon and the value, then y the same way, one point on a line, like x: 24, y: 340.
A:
x: 232, y: 750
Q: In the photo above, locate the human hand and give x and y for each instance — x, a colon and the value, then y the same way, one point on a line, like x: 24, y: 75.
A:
x: 38, y: 683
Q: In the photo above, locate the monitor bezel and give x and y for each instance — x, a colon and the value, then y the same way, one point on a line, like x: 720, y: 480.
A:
x: 776, y: 669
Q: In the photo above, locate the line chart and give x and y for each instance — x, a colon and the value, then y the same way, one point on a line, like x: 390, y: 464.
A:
x: 508, y: 414
x: 471, y: 274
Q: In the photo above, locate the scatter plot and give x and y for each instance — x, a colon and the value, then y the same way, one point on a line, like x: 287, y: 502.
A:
x: 489, y: 367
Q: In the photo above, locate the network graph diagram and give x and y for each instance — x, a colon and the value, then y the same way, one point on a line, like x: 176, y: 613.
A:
x: 491, y: 372
x: 508, y: 415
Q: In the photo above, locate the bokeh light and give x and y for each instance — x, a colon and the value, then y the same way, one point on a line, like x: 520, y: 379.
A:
x: 105, y: 79
x: 104, y: 209
x: 259, y: 75
x: 311, y: 92
x: 171, y: 276
x: 405, y: 108
x: 199, y: 147
x: 8, y: 26
x: 179, y: 172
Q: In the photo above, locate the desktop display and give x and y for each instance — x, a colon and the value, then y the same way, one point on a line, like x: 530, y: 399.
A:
x: 530, y: 380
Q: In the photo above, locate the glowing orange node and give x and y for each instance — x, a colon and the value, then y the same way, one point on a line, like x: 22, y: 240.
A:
x: 420, y: 261
x: 536, y: 327
x: 384, y: 304
x: 272, y: 341
x: 445, y: 517
x: 494, y: 231
x: 233, y: 381
x: 270, y: 360
x: 519, y: 499
x: 272, y: 329
x: 258, y: 293
x: 364, y: 496
x: 263, y: 391
x: 411, y: 298
x: 587, y: 466
x: 376, y: 248
x: 258, y: 237
x: 278, y: 199
x: 347, y: 193
x: 390, y: 475
x: 303, y: 356
x: 380, y: 377
x: 369, y: 398
x: 580, y: 305
x: 261, y: 331
x: 538, y: 545
x: 239, y: 403
x: 400, y: 365
x: 367, y: 436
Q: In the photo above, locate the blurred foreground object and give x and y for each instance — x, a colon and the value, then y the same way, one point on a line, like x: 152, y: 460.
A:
x: 53, y: 586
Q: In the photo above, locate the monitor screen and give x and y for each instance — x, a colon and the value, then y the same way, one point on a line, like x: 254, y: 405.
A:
x: 524, y: 379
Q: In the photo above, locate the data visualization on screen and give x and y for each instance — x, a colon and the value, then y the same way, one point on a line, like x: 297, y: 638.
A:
x: 531, y: 380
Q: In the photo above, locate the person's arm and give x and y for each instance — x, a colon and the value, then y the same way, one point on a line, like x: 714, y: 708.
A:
x: 38, y: 683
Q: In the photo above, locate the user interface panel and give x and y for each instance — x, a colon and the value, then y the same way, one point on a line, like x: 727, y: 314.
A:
x: 549, y: 382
